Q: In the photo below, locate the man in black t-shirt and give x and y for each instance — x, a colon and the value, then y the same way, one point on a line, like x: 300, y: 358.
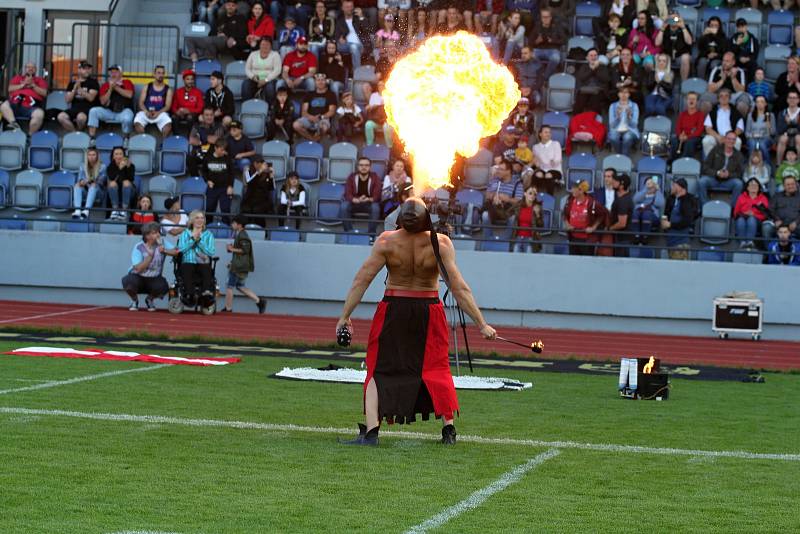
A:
x: 240, y: 148
x: 81, y: 95
x: 676, y: 41
x: 218, y: 169
x: 621, y: 212
x: 318, y: 109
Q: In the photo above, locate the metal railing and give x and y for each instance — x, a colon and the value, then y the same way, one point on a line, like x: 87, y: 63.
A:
x: 50, y: 59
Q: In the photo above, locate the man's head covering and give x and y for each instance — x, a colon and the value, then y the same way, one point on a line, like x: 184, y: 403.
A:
x: 413, y: 216
x: 682, y: 183
x: 187, y: 72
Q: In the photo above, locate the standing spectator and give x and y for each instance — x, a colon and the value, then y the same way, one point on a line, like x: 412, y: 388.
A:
x: 786, y: 82
x: 197, y: 246
x: 281, y: 117
x: 299, y: 68
x: 396, y: 188
x: 760, y: 128
x: 240, y: 147
x: 321, y: 28
x: 241, y: 265
x: 648, y: 207
x: 174, y: 221
x: 293, y: 201
x: 26, y: 94
x: 744, y: 46
x: 547, y: 37
x: 678, y: 219
x: 689, y: 129
x: 154, y: 104
x: 790, y: 167
x: 547, y: 154
x: 147, y: 262
x: 259, y: 26
x: 676, y: 41
x: 81, y: 92
x: 785, y: 210
x: 220, y: 98
x: 144, y: 214
x: 332, y: 65
x: 318, y: 110
x: 723, y: 118
x: 659, y: 86
x: 722, y: 169
x: 711, y: 45
x: 784, y: 250
x: 527, y: 219
x: 288, y: 36
x: 353, y: 34
x: 116, y: 103
x: 91, y: 179
x: 760, y: 86
x: 362, y: 194
x: 502, y: 195
x: 728, y: 76
x: 623, y: 117
x: 789, y: 125
x: 257, y: 203
x: 593, y: 81
x: 218, y: 171
x: 349, y: 120
x: 187, y: 104
x: 231, y: 36
x: 510, y: 37
x: 121, y: 189
x: 622, y: 214
x: 756, y: 168
x: 580, y: 219
x: 748, y: 212
x: 376, y: 117
x: 263, y: 68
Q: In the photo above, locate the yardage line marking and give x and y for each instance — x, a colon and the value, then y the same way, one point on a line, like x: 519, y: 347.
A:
x: 480, y: 496
x: 56, y: 383
x: 248, y: 425
x: 54, y: 314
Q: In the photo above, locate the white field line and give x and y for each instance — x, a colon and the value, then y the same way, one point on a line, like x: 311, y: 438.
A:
x: 56, y: 383
x: 480, y: 496
x: 54, y: 314
x: 248, y: 425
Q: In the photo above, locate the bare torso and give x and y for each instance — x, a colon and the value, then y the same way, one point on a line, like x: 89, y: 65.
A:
x: 409, y: 260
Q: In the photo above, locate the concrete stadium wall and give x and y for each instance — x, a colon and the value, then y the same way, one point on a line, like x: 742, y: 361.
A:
x: 535, y: 290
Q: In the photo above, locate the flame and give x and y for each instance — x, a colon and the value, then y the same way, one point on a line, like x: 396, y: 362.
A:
x: 537, y: 346
x: 443, y: 99
x: 648, y: 368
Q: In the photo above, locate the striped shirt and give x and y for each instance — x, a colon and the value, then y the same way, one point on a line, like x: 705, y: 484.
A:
x: 196, y: 251
x: 512, y: 188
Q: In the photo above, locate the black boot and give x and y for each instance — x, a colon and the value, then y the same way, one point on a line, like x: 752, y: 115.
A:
x: 364, y: 437
x: 449, y: 435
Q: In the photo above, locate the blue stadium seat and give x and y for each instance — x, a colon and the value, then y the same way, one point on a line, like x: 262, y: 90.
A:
x: 585, y: 13
x: 548, y: 212
x: 27, y: 192
x: 775, y: 57
x: 59, y: 190
x: 235, y: 74
x: 308, y: 157
x: 464, y: 242
x: 193, y: 29
x: 284, y: 233
x: 711, y: 254
x: 471, y: 202
x: 619, y: 162
x: 43, y: 150
x: 329, y: 201
x: 46, y: 224
x: 657, y: 127
x: 581, y: 167
x: 105, y: 144
x: 13, y: 223
x: 379, y: 155
x: 142, y: 153
x: 173, y: 155
x: 203, y: 69
x: 478, y: 169
x: 160, y: 188
x: 341, y: 162
x: 354, y: 238
x: 723, y: 13
x: 193, y: 194
x: 559, y: 126
x: 12, y: 149
x: 4, y: 187
x: 79, y: 227
x: 495, y: 244
x: 253, y: 117
x: 688, y: 169
x: 755, y: 21
x: 715, y: 223
x: 219, y: 230
x: 277, y: 153
x: 690, y: 3
x: 651, y: 167
x: 56, y: 101
x: 780, y: 27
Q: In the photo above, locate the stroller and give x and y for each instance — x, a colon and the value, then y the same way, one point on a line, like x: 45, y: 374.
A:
x: 182, y: 297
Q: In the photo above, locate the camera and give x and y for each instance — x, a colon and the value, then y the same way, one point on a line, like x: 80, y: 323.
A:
x: 676, y: 19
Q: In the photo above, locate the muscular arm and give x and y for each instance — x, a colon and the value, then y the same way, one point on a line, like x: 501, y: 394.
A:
x: 461, y: 291
x: 371, y: 267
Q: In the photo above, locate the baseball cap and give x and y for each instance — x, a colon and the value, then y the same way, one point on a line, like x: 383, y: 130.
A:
x: 583, y: 185
x: 236, y: 124
x: 524, y: 100
x: 302, y: 40
x: 84, y: 64
x: 187, y: 72
x: 512, y: 129
x: 115, y: 67
x: 681, y: 182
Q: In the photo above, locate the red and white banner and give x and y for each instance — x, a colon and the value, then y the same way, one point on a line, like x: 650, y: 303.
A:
x: 60, y: 352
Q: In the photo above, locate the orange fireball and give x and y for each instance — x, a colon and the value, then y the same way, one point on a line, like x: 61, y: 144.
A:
x: 443, y: 99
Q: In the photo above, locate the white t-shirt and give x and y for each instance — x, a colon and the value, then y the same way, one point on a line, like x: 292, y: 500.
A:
x: 352, y: 36
x: 167, y: 225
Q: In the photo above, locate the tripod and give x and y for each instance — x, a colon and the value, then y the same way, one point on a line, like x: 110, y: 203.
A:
x: 457, y: 319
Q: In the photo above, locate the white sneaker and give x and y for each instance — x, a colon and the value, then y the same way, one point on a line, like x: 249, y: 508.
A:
x: 134, y: 306
x: 76, y: 214
x: 85, y: 214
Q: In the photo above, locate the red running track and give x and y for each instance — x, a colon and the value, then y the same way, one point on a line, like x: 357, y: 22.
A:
x: 247, y: 327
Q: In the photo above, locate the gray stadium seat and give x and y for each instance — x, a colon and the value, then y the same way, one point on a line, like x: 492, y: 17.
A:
x: 561, y: 92
x: 342, y: 159
x: 755, y: 22
x: 253, y: 117
x: 73, y: 151
x: 661, y: 127
x: 321, y: 235
x: 619, y: 162
x: 277, y: 152
x: 194, y: 29
x: 775, y: 57
x: 142, y: 153
x: 12, y: 149
x: 715, y: 223
x: 235, y: 74
x: 47, y: 224
x: 160, y: 188
x: 56, y: 100
x: 478, y: 169
x: 113, y: 228
x: 27, y: 191
x: 688, y: 169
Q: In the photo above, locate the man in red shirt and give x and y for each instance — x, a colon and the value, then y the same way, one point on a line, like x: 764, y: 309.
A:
x: 187, y: 104
x: 26, y: 94
x: 689, y: 129
x: 299, y: 67
x: 116, y: 103
x: 580, y: 219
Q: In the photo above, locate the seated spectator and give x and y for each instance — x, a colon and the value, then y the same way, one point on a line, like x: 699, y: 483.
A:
x: 789, y: 168
x: 396, y: 188
x: 197, y: 247
x: 352, y: 33
x: 207, y: 12
x: 387, y: 34
x: 795, y: 48
x: 219, y: 98
x: 231, y: 36
x: 760, y: 86
x: 623, y: 117
x: 523, y: 153
x: 689, y: 129
x: 418, y: 29
x: 527, y: 219
x: 756, y: 168
x: 26, y: 96
x: 525, y: 70
x: 187, y: 104
x: 293, y: 201
x: 711, y: 45
x: 547, y: 37
x: 174, y: 221
x: 81, y: 94
x: 611, y: 40
x: 676, y: 41
x: 510, y: 37
x: 389, y: 55
x: 257, y: 204
x: 299, y: 67
x: 547, y: 155
x: 144, y: 214
x: 281, y: 117
x: 362, y: 194
x: 321, y: 28
x: 263, y: 68
x: 289, y: 35
x: 259, y: 26
x: 722, y: 169
x: 121, y: 189
x: 760, y: 128
x: 333, y: 66
x: 398, y: 8
x: 487, y: 16
x: 241, y: 265
x: 522, y: 118
x: 723, y: 118
x: 154, y: 104
x: 318, y: 110
x: 728, y: 76
x: 621, y: 214
x: 199, y: 151
x: 218, y: 171
x: 787, y: 81
x: 300, y: 11
x: 626, y: 73
x: 659, y: 86
x: 648, y: 205
x: 206, y: 124
x: 502, y: 195
x: 451, y: 23
x: 641, y: 40
x: 605, y: 195
x: 240, y: 147
x: 506, y: 144
x: 376, y: 117
x: 784, y: 250
x: 147, y: 262
x: 349, y: 119
x: 678, y: 220
x: 116, y: 103
x: 91, y: 180
x: 581, y: 219
x: 745, y: 47
x: 593, y: 82
x: 789, y: 125
x: 748, y: 212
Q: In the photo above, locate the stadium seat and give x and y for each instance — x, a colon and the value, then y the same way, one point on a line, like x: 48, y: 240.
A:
x: 688, y: 169
x: 463, y: 242
x: 364, y: 73
x: 379, y: 156
x: 341, y: 162
x: 715, y: 223
x: 321, y: 235
x: 113, y: 228
x: 548, y: 212
x: 711, y: 254
x: 307, y: 160
x: 651, y: 167
x: 73, y: 151
x: 173, y: 155
x: 775, y: 57
x: 559, y: 126
x: 284, y: 233
x: 56, y: 101
x: 13, y: 223
x: 43, y: 150
x: 655, y: 129
x: 142, y: 153
x: 160, y: 188
x: 27, y: 192
x: 706, y: 13
x: 234, y: 76
x: 471, y: 202
x: 579, y: 42
x: 193, y: 194
x: 105, y: 145
x: 697, y: 85
x: 219, y: 230
x: 619, y: 162
x: 747, y: 257
x: 46, y: 224
x: 581, y: 167
x: 780, y: 27
x: 494, y: 244
x: 688, y: 12
x: 194, y: 29
x: 277, y: 153
x: 329, y: 201
x: 585, y: 13
x: 203, y: 70
x: 253, y: 117
x: 354, y: 238
x: 561, y: 92
x: 12, y: 149
x: 690, y: 3
x: 78, y: 227
x: 58, y: 196
x: 478, y: 169
x: 4, y: 188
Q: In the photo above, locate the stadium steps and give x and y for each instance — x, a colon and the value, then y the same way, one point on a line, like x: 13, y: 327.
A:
x: 153, y: 49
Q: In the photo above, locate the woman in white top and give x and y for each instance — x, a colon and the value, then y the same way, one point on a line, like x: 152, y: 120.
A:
x: 263, y: 68
x: 349, y: 120
x: 91, y: 180
x: 174, y: 221
x: 396, y: 188
x: 547, y: 153
x: 293, y: 199
x: 376, y: 116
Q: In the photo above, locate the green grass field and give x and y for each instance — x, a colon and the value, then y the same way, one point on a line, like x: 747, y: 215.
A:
x: 76, y: 474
